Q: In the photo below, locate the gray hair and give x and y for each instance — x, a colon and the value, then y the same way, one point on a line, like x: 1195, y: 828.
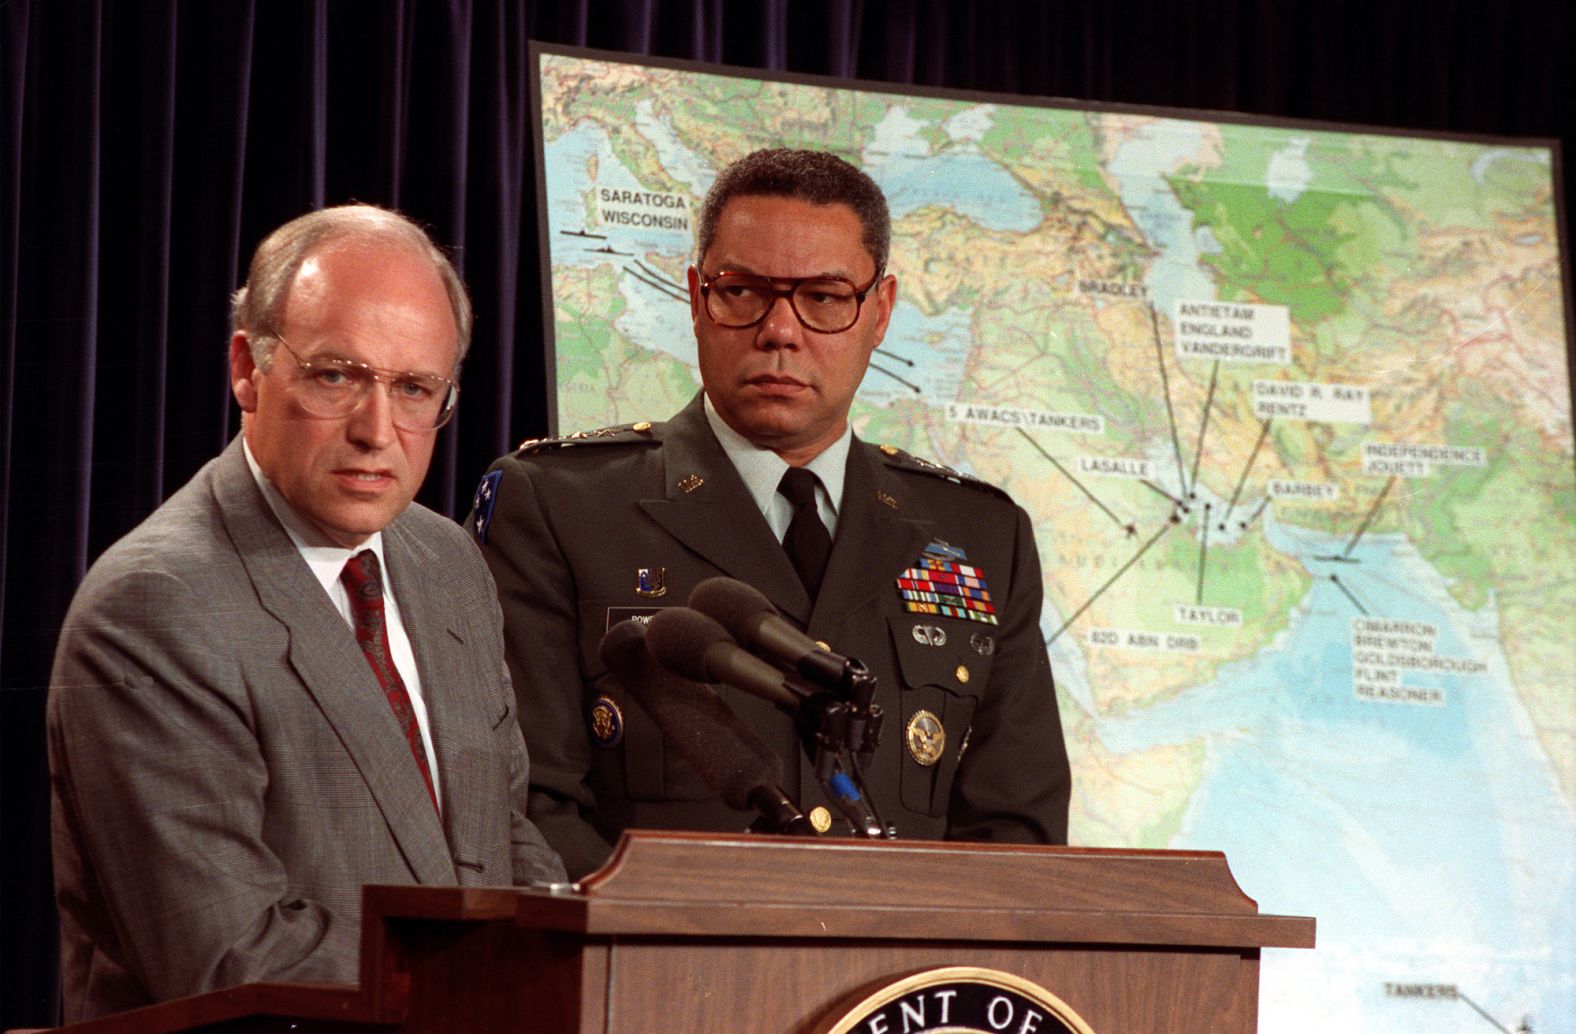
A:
x: 813, y: 176
x: 258, y: 307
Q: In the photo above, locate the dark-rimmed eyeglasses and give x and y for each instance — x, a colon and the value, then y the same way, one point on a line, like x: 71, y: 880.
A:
x: 332, y: 387
x: 825, y: 304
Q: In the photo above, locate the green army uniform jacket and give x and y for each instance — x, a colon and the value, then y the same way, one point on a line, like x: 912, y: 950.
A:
x: 583, y: 532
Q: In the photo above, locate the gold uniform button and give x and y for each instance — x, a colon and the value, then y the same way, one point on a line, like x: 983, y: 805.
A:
x: 963, y: 674
x: 890, y: 450
x: 820, y: 818
x: 642, y: 427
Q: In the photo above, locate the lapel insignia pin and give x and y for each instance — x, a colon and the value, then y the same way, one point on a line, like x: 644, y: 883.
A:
x: 885, y: 499
x: 925, y: 738
x: 690, y: 483
x: 482, y: 504
x: 651, y: 582
x: 606, y: 721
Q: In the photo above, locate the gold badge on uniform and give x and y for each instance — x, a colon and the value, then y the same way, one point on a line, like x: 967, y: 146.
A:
x: 690, y: 483
x: 606, y: 722
x: 651, y: 581
x: 820, y: 818
x: 925, y: 737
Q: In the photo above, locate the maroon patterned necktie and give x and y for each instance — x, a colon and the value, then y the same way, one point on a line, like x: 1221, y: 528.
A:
x: 363, y: 579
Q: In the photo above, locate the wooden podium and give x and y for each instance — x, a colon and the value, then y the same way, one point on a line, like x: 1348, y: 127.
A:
x: 695, y: 933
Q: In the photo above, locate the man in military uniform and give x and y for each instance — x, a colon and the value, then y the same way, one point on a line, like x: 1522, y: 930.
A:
x: 929, y: 577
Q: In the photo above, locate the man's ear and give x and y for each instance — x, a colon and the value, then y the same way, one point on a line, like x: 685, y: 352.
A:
x: 693, y: 276
x: 243, y: 372
x: 885, y: 299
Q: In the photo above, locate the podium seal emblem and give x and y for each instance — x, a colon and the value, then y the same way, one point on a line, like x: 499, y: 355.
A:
x: 957, y: 1000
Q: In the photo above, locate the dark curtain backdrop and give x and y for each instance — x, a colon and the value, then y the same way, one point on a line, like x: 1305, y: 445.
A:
x: 149, y: 144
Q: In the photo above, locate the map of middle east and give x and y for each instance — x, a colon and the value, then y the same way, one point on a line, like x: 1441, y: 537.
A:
x: 1290, y: 410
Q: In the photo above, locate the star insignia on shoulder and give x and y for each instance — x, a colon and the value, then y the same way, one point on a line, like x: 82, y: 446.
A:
x: 640, y: 431
x: 901, y: 460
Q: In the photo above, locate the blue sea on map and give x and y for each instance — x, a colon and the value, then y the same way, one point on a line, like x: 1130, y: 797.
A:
x: 963, y: 181
x: 572, y: 154
x: 937, y: 345
x: 1139, y: 166
x: 1387, y: 822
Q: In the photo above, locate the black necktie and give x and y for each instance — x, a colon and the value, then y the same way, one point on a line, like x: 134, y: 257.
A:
x: 807, y: 542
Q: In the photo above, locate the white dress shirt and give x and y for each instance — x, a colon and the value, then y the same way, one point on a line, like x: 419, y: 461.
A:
x: 762, y: 471
x: 327, y: 561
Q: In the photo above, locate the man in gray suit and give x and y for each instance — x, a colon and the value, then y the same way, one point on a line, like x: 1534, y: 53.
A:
x: 289, y: 681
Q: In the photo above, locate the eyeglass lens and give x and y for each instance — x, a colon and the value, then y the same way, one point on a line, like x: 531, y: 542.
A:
x: 330, y: 387
x: 826, y: 304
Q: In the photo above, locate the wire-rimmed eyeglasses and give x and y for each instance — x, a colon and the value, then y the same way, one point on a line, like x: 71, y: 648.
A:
x: 825, y: 304
x: 331, y: 387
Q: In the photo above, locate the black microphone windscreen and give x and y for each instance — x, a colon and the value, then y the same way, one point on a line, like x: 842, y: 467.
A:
x: 623, y: 647
x: 723, y: 751
x: 679, y: 638
x: 732, y: 603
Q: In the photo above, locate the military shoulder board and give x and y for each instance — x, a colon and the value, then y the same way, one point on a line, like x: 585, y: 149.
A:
x: 640, y: 431
x: 901, y: 460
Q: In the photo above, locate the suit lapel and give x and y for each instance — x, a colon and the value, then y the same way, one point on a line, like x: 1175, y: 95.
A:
x: 448, y: 684
x: 875, y: 540
x: 332, y: 669
x: 718, y: 519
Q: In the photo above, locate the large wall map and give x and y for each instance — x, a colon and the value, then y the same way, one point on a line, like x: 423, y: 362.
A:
x: 1291, y: 412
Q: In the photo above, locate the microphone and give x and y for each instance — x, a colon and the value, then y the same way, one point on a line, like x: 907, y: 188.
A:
x: 695, y: 646
x: 751, y: 619
x: 725, y: 752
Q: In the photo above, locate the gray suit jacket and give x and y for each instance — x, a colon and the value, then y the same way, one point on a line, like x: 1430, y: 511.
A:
x: 226, y: 772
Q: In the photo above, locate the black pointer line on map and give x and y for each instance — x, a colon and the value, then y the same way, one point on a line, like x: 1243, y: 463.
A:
x: 662, y: 278
x: 910, y: 385
x: 659, y: 285
x: 1348, y: 594
x: 1165, y: 383
x: 1203, y: 553
x: 896, y: 358
x: 1203, y: 426
x: 1479, y: 1010
x: 1263, y: 433
x: 1255, y: 515
x: 1160, y: 491
x: 1346, y: 556
x: 1167, y: 526
x: 1128, y: 528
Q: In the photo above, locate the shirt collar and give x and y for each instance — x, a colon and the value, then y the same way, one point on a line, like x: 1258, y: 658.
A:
x: 326, y: 558
x: 762, y: 469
